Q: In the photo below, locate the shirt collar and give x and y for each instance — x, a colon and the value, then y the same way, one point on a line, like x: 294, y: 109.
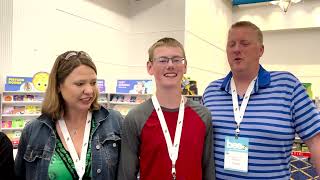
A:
x: 263, y: 80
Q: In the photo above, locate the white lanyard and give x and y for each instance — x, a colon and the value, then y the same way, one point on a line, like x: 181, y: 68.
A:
x: 173, y: 149
x: 79, y: 163
x: 239, y: 112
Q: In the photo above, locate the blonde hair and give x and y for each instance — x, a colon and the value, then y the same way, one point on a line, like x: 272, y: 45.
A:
x: 167, y: 42
x: 249, y: 25
x: 53, y: 104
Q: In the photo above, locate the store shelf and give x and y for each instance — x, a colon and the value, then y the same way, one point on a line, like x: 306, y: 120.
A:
x: 124, y: 103
x: 21, y: 102
x: 1, y: 106
x: 23, y: 92
x: 20, y: 115
x: 130, y: 94
x: 103, y: 102
x: 11, y: 129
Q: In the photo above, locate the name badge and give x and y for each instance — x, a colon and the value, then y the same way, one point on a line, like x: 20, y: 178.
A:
x: 236, y: 154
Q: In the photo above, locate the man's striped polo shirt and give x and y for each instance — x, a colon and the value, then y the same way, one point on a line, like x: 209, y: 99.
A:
x: 278, y: 108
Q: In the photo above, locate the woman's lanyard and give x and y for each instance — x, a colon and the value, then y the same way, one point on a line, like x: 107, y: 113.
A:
x: 79, y: 163
x: 173, y: 149
x: 239, y: 112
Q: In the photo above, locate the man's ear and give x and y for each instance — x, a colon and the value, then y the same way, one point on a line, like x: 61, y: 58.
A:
x: 149, y: 68
x: 261, y: 50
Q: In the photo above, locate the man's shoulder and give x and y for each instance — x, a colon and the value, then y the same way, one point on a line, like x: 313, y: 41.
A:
x: 216, y: 83
x: 283, y: 76
x: 213, y: 86
x: 2, y: 136
x: 5, y: 143
x: 281, y: 73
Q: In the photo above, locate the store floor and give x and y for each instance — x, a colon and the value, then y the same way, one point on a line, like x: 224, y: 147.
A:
x: 301, y: 169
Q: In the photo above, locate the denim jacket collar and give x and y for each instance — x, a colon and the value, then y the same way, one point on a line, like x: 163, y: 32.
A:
x: 98, y: 116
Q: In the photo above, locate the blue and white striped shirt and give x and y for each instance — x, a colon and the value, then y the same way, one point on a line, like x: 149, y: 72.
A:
x: 278, y: 108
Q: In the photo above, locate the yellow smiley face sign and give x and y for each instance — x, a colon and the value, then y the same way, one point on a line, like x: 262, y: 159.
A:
x: 40, y: 81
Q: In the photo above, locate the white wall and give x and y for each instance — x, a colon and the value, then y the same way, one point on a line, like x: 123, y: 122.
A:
x: 294, y: 51
x: 117, y: 34
x: 6, y: 14
x: 44, y: 29
x: 269, y: 17
x: 201, y: 27
x: 207, y: 24
x: 290, y: 39
x: 151, y: 20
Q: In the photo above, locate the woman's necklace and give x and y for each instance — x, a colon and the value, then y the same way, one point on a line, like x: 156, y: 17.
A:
x: 74, y: 131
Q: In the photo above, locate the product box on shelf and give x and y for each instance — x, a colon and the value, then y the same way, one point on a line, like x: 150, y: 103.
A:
x: 308, y: 89
x: 196, y: 98
x: 123, y: 102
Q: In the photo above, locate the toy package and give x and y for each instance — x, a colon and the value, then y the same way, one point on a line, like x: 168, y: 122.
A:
x: 188, y: 86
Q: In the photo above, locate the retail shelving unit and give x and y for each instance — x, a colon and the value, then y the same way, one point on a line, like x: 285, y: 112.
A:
x: 301, y: 162
x: 18, y: 108
x: 196, y: 98
x: 123, y: 102
x: 1, y: 110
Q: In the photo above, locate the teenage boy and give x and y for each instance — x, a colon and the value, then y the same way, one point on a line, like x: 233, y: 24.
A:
x: 168, y: 136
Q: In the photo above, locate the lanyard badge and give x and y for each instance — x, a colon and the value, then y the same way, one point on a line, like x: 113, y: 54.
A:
x: 79, y: 162
x: 239, y: 112
x: 236, y: 151
x: 173, y: 148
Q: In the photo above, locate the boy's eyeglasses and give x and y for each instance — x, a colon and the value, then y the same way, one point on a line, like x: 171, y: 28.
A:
x: 163, y: 60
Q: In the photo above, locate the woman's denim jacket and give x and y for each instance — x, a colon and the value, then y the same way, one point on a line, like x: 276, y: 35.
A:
x: 38, y: 141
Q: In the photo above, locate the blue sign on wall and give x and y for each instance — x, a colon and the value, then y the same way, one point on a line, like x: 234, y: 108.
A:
x: 101, y: 85
x: 134, y: 86
x: 18, y: 84
x: 37, y: 83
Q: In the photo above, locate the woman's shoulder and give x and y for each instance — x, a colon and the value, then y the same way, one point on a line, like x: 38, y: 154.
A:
x: 108, y: 118
x: 106, y: 112
x: 38, y: 123
x: 32, y: 124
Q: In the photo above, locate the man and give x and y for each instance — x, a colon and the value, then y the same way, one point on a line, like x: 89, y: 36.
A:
x: 256, y: 113
x: 6, y: 157
x: 167, y: 137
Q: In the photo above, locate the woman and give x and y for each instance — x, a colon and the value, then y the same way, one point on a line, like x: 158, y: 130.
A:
x: 74, y: 138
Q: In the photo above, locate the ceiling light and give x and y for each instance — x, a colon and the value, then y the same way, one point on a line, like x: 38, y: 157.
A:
x: 284, y: 4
